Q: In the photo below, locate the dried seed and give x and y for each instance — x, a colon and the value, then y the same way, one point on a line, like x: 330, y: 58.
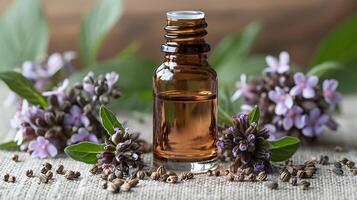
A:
x: 355, y: 172
x: 125, y: 187
x: 44, y: 170
x: 111, y: 177
x: 300, y: 173
x: 285, y: 176
x: 29, y: 173
x: 209, y: 173
x: 313, y: 169
x: 171, y: 173
x: 94, y: 169
x: 49, y: 175
x: 6, y: 177
x: 59, y: 169
x: 119, y: 174
x: 309, y: 174
x: 233, y: 168
x: 337, y: 165
x: 104, y: 176
x: 133, y: 182
x: 217, y: 173
x: 262, y: 176
x: 15, y: 158
x: 163, y: 177
x: 248, y: 171
x: 350, y: 164
x: 226, y: 172
x: 103, y: 184
x: 155, y: 176
x: 172, y: 179
x: 77, y: 174
x: 161, y: 170
x: 70, y: 175
x: 112, y: 188
x: 183, y: 176
x: 304, y: 185
x: 47, y: 165
x: 324, y: 160
x: 44, y: 178
x: 189, y: 175
x: 118, y: 181
x: 250, y: 177
x: 140, y: 175
x: 230, y: 177
x: 272, y: 185
x: 338, y: 171
x: 344, y: 161
x: 12, y: 179
x: 293, y: 181
x: 291, y: 170
x: 288, y: 162
x: 240, y: 177
x: 300, y: 167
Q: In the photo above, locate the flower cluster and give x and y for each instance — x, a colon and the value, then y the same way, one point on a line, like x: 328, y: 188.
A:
x: 121, y: 152
x: 246, y: 145
x: 41, y: 73
x: 72, y: 116
x: 290, y: 103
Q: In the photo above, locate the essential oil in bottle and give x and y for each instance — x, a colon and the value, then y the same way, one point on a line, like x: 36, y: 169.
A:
x: 185, y: 97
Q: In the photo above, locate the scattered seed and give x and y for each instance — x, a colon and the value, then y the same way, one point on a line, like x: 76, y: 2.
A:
x: 350, y: 164
x: 125, y: 187
x: 70, y: 175
x: 262, y: 176
x: 6, y: 177
x: 355, y: 172
x: 209, y: 173
x: 226, y: 172
x: 300, y: 173
x: 217, y: 173
x: 119, y: 174
x: 118, y: 181
x: 12, y: 179
x: 304, y: 185
x: 289, y: 162
x: 103, y: 184
x: 285, y: 176
x: 111, y: 177
x: 293, y: 181
x: 104, y: 176
x: 189, y: 175
x: 49, y: 175
x: 60, y: 169
x: 44, y: 170
x: 77, y: 174
x: 309, y: 174
x: 94, y: 169
x: 44, y: 178
x: 230, y: 177
x: 155, y: 176
x: 338, y: 171
x: 250, y: 177
x: 240, y: 177
x: 140, y: 175
x: 163, y: 177
x: 161, y: 170
x: 29, y: 173
x: 248, y: 171
x: 112, y: 188
x: 47, y: 165
x: 337, y: 165
x: 291, y: 170
x: 344, y: 161
x: 15, y: 158
x: 172, y: 179
x: 272, y: 185
x: 133, y: 182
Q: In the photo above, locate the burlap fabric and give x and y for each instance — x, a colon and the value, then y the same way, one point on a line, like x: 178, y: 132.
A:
x: 324, y: 186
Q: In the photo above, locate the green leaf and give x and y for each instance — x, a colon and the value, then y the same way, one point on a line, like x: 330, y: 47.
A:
x: 235, y: 46
x: 23, y: 87
x: 85, y: 152
x: 254, y: 115
x: 283, y: 148
x: 129, y: 51
x: 95, y: 26
x: 10, y: 146
x: 324, y: 68
x: 23, y: 34
x: 110, y: 121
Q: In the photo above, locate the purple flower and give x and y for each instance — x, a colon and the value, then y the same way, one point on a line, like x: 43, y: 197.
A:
x: 245, y: 108
x: 282, y: 99
x: 220, y: 144
x: 274, y: 134
x: 329, y: 91
x: 76, y: 117
x: 243, y: 89
x: 304, y: 85
x: 112, y: 79
x: 280, y: 66
x: 89, y: 88
x: 28, y: 112
x: 267, y: 155
x: 293, y: 117
x: 258, y: 167
x: 59, y: 92
x: 314, y: 123
x: 83, y: 135
x: 42, y: 148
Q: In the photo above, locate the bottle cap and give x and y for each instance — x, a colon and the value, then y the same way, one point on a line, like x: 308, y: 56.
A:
x: 185, y: 15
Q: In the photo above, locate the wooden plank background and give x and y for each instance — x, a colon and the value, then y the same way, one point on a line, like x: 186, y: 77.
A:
x: 293, y: 25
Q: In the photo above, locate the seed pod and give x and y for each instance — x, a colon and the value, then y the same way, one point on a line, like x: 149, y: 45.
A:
x: 230, y: 177
x: 350, y: 164
x: 309, y: 174
x: 29, y: 173
x: 293, y: 181
x: 291, y: 170
x: 183, y: 176
x: 15, y: 158
x: 313, y: 169
x: 47, y: 165
x: 300, y: 174
x: 49, y: 175
x: 338, y: 171
x: 111, y: 177
x: 262, y: 176
x: 250, y: 177
x: 161, y: 170
x: 155, y: 176
x: 140, y: 175
x: 133, y: 182
x: 59, y: 169
x: 112, y: 188
x: 103, y: 184
x: 172, y: 179
x: 248, y: 171
x: 70, y: 175
x: 272, y: 185
x: 189, y: 175
x: 125, y: 187
x: 94, y: 169
x: 12, y: 179
x: 304, y: 185
x: 6, y: 177
x: 209, y: 173
x: 240, y: 177
x: 44, y: 170
x: 44, y: 178
x: 285, y: 176
x: 337, y: 165
x: 344, y: 161
x: 217, y: 173
x: 118, y: 181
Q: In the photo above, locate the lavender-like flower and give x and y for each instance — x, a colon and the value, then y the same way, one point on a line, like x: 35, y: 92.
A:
x: 274, y: 133
x: 243, y: 89
x: 305, y: 86
x: 294, y: 117
x: 83, y: 135
x: 112, y: 78
x: 283, y: 100
x: 278, y: 66
x: 329, y: 91
x: 314, y: 123
x: 59, y: 92
x: 76, y: 117
x: 42, y: 148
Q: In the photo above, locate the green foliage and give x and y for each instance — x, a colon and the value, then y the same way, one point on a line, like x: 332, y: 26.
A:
x: 95, y: 26
x: 23, y: 34
x: 23, y: 87
x: 283, y: 148
x: 254, y: 115
x: 109, y: 121
x: 9, y: 146
x: 340, y: 46
x: 85, y: 152
x: 324, y: 68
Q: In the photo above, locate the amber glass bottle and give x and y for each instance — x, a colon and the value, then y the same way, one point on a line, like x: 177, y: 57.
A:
x: 185, y: 97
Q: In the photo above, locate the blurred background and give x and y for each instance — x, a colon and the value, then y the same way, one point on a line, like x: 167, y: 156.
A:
x: 294, y: 25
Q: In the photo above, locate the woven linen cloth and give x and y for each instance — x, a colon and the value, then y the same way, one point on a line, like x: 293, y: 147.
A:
x: 324, y: 185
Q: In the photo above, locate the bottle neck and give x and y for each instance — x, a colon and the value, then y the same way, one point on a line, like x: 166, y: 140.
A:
x: 186, y: 59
